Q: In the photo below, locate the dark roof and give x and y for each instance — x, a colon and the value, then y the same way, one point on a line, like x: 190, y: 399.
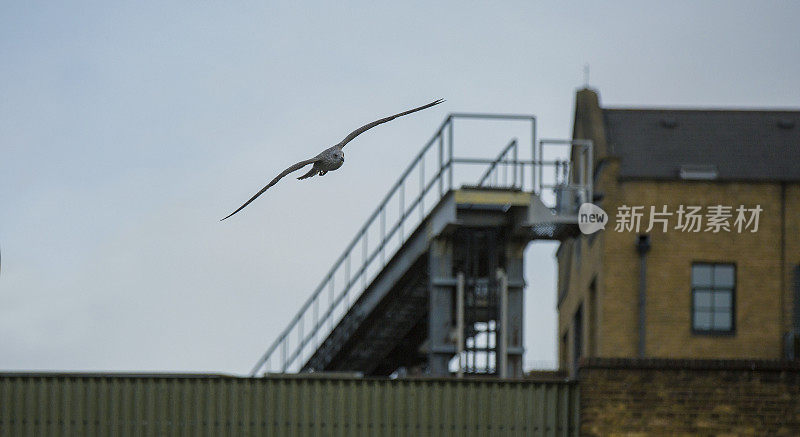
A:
x: 733, y: 144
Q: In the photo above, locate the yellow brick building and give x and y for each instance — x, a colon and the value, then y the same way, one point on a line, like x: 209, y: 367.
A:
x: 664, y: 291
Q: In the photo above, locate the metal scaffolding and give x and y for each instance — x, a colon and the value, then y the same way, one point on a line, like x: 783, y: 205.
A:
x: 389, y: 303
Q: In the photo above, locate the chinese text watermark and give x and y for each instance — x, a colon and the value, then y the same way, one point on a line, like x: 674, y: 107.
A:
x: 686, y: 218
x: 689, y: 218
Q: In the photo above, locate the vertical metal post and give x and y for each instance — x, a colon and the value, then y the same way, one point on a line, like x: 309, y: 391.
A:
x: 450, y: 153
x: 422, y: 187
x: 347, y: 271
x: 515, y: 167
x: 364, y: 249
x: 383, y: 236
x: 316, y: 319
x: 505, y: 171
x: 330, y: 304
x: 402, y: 210
x: 460, y: 323
x: 541, y: 166
x: 301, y: 337
x: 533, y: 138
x: 533, y: 147
x: 441, y: 164
x: 283, y: 354
x: 347, y: 283
x: 441, y: 307
x: 502, y: 344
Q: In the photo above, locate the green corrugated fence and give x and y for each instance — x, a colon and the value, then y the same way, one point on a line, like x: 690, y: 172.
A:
x: 211, y: 405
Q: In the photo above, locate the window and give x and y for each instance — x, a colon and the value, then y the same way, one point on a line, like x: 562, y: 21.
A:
x: 713, y: 298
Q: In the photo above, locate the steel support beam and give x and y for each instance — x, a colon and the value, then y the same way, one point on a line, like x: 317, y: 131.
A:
x: 460, y: 324
x: 515, y: 283
x: 502, y: 341
x: 440, y: 310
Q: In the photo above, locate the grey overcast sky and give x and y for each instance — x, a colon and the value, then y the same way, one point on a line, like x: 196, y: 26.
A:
x: 128, y: 129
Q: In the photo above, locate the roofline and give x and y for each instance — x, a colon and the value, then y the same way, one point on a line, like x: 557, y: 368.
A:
x: 343, y: 376
x: 703, y: 109
x: 110, y: 374
x: 629, y: 178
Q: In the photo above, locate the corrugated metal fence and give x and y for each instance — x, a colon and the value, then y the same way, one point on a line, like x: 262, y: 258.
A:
x: 193, y: 405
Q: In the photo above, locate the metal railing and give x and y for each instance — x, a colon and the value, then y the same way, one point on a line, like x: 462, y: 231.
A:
x: 384, y: 232
x: 499, y: 162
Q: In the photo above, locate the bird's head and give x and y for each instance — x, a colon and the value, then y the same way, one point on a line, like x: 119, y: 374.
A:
x: 338, y: 154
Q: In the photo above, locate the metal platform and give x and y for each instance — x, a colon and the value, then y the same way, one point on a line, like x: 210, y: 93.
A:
x: 446, y: 298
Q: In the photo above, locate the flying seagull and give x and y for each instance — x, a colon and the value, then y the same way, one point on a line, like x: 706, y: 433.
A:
x: 331, y: 158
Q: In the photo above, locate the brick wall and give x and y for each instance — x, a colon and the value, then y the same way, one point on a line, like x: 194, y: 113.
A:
x: 765, y: 264
x: 759, y: 305
x: 689, y: 397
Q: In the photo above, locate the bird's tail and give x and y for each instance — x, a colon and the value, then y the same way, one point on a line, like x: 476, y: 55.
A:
x: 310, y: 173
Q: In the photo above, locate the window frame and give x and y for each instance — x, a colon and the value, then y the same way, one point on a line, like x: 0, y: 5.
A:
x: 711, y: 331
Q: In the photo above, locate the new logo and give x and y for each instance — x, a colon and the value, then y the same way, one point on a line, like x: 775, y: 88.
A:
x: 591, y: 218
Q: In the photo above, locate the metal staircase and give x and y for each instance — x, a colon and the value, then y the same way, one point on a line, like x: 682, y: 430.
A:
x: 389, y: 302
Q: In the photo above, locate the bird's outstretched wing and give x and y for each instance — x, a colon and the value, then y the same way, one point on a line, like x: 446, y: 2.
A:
x: 366, y: 127
x: 295, y: 167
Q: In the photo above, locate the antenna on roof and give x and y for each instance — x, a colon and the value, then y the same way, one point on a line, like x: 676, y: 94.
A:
x: 586, y: 75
